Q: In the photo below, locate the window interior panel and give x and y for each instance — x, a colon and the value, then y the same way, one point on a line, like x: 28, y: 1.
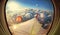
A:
x: 29, y: 17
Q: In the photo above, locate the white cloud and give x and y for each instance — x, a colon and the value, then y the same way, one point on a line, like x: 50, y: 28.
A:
x: 27, y: 15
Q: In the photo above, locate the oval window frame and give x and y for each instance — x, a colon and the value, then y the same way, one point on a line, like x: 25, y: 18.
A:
x: 56, y: 18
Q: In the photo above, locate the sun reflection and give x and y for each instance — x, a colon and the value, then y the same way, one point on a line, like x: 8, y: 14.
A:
x: 14, y: 27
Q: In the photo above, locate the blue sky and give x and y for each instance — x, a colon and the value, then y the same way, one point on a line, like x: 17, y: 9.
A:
x: 41, y: 4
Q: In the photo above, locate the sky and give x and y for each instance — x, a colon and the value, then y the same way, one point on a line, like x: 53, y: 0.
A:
x: 41, y: 4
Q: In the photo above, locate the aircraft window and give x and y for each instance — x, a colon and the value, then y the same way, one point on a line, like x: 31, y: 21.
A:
x: 29, y: 17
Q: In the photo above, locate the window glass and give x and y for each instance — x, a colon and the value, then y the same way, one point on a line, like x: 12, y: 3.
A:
x: 29, y: 17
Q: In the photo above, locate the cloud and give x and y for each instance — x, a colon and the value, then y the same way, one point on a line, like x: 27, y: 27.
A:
x: 27, y: 15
